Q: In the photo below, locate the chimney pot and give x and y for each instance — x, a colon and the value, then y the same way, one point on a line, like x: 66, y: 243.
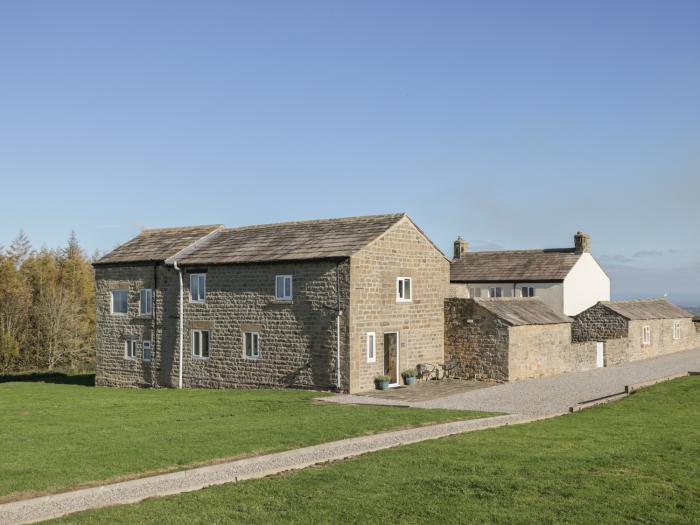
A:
x: 582, y: 242
x: 461, y: 246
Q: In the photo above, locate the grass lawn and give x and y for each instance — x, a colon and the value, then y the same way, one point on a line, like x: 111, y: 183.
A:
x: 55, y: 436
x: 633, y: 461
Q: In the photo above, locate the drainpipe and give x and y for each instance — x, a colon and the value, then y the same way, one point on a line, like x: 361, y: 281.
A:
x: 338, y: 313
x: 182, y: 340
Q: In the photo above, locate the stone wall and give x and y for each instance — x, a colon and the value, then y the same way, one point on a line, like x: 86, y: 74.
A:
x: 477, y: 340
x: 297, y: 338
x: 582, y: 356
x: 402, y: 251
x: 662, y: 341
x: 598, y: 323
x: 539, y: 350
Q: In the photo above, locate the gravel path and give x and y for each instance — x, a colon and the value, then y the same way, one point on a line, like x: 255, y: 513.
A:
x: 47, y: 507
x: 553, y: 395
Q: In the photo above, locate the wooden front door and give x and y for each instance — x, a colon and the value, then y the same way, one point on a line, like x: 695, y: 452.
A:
x: 391, y: 357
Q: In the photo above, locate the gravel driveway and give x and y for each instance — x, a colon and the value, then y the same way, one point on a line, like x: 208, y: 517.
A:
x: 553, y: 395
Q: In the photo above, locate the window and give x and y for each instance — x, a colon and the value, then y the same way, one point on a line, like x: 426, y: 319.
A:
x: 198, y: 287
x: 646, y: 335
x: 120, y: 302
x: 676, y: 330
x: 251, y: 343
x: 146, y: 351
x: 200, y: 344
x: 371, y: 348
x: 495, y: 292
x: 403, y: 289
x: 283, y: 287
x: 474, y: 292
x: 527, y: 291
x: 130, y: 349
x: 146, y: 301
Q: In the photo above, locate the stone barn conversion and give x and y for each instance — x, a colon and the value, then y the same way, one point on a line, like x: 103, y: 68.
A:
x: 311, y: 304
x: 506, y: 339
x: 632, y: 330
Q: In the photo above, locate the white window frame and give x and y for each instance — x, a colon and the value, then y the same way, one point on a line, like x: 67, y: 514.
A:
x: 148, y: 302
x: 201, y: 297
x: 495, y: 295
x: 474, y: 292
x: 530, y: 291
x: 130, y: 349
x: 146, y: 345
x: 199, y: 332
x: 371, y: 347
x: 111, y: 301
x: 284, y: 279
x: 646, y: 335
x: 255, y: 348
x: 676, y: 330
x: 401, y: 290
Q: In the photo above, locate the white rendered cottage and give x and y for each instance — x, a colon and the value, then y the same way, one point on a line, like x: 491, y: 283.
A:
x: 569, y: 280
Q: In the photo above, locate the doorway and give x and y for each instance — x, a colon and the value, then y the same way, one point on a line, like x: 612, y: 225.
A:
x: 599, y: 355
x: 391, y: 357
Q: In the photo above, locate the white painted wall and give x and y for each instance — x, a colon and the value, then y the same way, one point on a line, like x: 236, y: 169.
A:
x: 585, y: 285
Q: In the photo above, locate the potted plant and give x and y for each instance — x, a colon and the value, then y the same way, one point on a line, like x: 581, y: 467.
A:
x: 381, y: 382
x: 409, y: 376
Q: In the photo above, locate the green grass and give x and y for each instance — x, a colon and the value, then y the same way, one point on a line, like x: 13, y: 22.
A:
x: 64, y: 432
x: 633, y: 461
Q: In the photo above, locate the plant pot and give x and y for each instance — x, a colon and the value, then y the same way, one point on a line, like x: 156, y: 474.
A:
x: 381, y: 385
x: 410, y: 380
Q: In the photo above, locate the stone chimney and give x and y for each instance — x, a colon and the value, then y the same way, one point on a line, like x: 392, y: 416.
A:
x: 461, y: 246
x: 582, y: 242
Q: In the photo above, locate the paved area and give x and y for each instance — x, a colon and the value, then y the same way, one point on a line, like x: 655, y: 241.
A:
x: 551, y: 395
x: 47, y: 507
x: 427, y: 390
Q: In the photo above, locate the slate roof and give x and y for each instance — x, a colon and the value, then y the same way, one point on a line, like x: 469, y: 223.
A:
x: 522, y: 311
x: 156, y: 245
x: 647, y: 309
x: 514, y: 265
x: 291, y: 241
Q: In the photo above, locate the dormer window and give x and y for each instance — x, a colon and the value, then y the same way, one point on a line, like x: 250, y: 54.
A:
x: 403, y: 290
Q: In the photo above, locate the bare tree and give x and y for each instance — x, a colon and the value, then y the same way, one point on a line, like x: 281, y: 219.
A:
x: 58, y: 328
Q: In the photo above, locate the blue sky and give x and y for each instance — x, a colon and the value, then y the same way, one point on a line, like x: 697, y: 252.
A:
x: 513, y: 124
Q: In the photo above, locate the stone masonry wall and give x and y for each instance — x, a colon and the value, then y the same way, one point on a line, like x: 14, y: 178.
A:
x: 477, y: 340
x: 662, y: 341
x: 598, y: 323
x: 403, y: 251
x: 539, y: 351
x: 297, y: 338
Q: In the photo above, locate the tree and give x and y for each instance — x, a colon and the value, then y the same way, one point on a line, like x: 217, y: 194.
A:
x: 20, y: 249
x: 58, y: 334
x: 15, y: 307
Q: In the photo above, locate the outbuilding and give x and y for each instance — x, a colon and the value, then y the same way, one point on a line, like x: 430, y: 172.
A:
x: 506, y: 339
x: 634, y: 330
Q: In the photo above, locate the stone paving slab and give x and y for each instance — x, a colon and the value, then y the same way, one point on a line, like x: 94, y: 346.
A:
x: 56, y: 505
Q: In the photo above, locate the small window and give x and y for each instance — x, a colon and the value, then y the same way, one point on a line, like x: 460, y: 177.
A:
x: 283, y: 287
x: 146, y: 301
x: 403, y: 289
x: 676, y: 330
x: 371, y: 348
x: 474, y: 292
x: 198, y: 287
x: 495, y: 292
x: 646, y: 335
x: 200, y: 344
x: 120, y: 302
x: 130, y: 349
x: 251, y: 343
x: 147, y: 351
x: 527, y: 291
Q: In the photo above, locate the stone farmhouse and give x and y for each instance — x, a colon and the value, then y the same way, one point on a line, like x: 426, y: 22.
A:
x: 312, y: 304
x: 626, y: 331
x: 569, y: 280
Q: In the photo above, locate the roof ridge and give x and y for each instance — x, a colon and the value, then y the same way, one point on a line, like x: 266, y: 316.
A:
x: 317, y: 221
x: 526, y: 250
x: 175, y: 228
x: 632, y: 301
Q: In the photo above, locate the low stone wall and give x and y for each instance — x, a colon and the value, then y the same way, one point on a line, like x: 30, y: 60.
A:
x: 582, y: 356
x: 538, y: 351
